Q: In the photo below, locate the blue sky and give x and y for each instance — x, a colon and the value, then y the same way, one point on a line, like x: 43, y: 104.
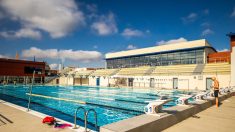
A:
x: 79, y: 33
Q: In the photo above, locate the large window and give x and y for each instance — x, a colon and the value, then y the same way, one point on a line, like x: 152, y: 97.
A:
x: 180, y: 57
x: 29, y: 70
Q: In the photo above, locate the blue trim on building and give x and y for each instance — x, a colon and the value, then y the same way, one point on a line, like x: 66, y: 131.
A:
x: 169, y: 51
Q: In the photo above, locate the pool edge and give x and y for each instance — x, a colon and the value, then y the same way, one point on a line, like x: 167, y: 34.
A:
x: 155, y: 123
x: 41, y: 115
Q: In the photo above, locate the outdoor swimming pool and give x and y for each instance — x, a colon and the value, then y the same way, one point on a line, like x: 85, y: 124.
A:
x: 111, y: 104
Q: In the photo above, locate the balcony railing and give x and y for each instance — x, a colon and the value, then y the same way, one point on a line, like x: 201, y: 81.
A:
x: 218, y: 60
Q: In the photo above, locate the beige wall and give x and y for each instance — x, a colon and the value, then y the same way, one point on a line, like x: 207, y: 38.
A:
x: 191, y: 82
x: 53, y: 82
x: 103, y: 81
x: 92, y: 81
x: 224, y: 80
x: 77, y: 81
x: 63, y: 81
x: 185, y: 82
x: 66, y: 80
x: 70, y: 80
x: 84, y: 81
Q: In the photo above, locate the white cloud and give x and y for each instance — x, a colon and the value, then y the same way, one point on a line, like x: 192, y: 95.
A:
x: 4, y: 56
x: 148, y: 31
x: 233, y: 13
x: 95, y: 46
x: 54, y: 66
x: 222, y: 50
x: 206, y: 12
x: 205, y: 24
x: 105, y: 25
x: 22, y: 33
x: 130, y: 47
x: 190, y: 18
x: 57, y: 17
x: 91, y: 8
x: 172, y: 41
x: 39, y: 53
x: 207, y: 32
x: 78, y: 55
x: 132, y: 33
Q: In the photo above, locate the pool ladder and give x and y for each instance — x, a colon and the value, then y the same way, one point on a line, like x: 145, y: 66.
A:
x: 85, y: 117
x: 30, y: 91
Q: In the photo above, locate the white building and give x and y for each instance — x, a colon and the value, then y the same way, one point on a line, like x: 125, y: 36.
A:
x: 180, y: 66
x: 186, y: 65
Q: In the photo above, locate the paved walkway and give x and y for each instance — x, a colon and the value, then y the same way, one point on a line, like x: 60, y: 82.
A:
x: 22, y: 121
x: 213, y: 119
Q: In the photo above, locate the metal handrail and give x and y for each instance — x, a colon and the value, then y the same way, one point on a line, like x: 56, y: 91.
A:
x: 95, y: 118
x: 30, y: 91
x: 75, y: 116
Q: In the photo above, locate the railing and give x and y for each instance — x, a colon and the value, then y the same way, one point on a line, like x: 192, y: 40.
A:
x: 30, y: 91
x: 218, y: 60
x: 85, y: 117
x: 75, y: 116
x: 49, y: 79
x: 95, y: 114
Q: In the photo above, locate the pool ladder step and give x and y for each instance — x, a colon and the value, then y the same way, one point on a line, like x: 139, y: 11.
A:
x: 86, y: 112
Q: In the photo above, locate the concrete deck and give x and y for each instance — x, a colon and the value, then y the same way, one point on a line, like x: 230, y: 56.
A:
x: 172, y: 116
x: 23, y: 121
x: 212, y: 119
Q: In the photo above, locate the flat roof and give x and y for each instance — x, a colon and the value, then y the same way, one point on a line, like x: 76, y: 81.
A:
x: 160, y: 48
x: 21, y: 61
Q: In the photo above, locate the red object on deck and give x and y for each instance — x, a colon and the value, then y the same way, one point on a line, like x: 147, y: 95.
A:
x: 48, y: 119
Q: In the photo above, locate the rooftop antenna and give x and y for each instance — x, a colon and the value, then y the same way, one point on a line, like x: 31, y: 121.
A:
x: 17, y: 56
x: 34, y: 58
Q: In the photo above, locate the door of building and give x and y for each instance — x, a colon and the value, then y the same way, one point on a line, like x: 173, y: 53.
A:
x: 57, y: 81
x: 175, y: 83
x: 208, y: 83
x: 97, y: 81
x: 130, y: 82
x: 151, y: 82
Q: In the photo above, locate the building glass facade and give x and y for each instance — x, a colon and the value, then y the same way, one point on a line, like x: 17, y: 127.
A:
x: 195, y: 56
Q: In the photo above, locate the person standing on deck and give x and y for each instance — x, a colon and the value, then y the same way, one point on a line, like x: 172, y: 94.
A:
x: 215, y: 86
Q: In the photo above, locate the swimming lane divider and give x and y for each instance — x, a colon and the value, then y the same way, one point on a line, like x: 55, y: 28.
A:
x: 131, y: 101
x: 109, y: 99
x: 82, y: 102
x: 55, y: 98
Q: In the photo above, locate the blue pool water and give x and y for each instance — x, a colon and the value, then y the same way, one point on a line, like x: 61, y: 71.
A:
x: 111, y: 104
